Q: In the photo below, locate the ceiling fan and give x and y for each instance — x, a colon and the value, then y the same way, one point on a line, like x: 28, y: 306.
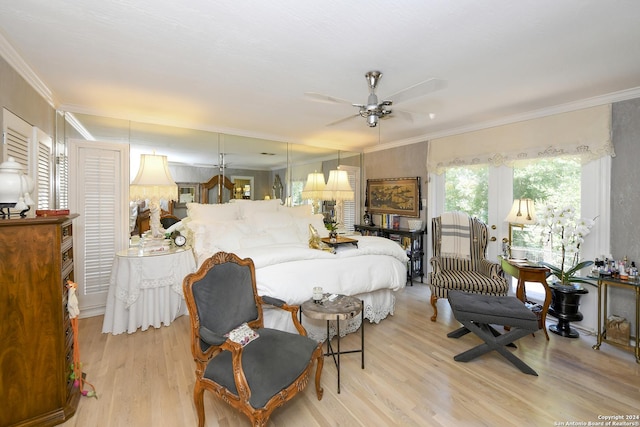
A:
x: 375, y: 110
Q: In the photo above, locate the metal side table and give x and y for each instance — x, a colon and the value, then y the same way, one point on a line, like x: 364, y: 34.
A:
x: 342, y: 307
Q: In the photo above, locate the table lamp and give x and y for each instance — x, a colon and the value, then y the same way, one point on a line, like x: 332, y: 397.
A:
x: 153, y: 183
x: 338, y: 189
x: 314, y: 189
x: 522, y: 213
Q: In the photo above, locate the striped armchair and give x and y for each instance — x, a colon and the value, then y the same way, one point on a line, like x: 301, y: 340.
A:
x: 476, y: 275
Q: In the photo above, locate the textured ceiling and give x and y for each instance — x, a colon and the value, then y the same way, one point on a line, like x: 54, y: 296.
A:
x: 243, y: 67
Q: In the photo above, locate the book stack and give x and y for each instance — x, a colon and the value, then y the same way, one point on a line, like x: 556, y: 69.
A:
x: 52, y: 212
x: 390, y: 221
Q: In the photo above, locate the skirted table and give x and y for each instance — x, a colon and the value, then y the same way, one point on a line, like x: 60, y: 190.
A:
x: 146, y: 290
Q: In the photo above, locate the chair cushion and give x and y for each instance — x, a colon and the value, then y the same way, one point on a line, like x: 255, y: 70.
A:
x: 471, y: 281
x: 270, y: 363
x: 492, y: 310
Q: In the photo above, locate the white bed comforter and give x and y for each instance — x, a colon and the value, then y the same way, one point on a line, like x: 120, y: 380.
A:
x: 290, y: 271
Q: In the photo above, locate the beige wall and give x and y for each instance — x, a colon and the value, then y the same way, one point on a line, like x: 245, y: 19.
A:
x: 17, y: 96
x: 400, y: 162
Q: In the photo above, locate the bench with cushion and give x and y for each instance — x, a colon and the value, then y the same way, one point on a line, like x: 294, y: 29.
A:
x: 478, y: 312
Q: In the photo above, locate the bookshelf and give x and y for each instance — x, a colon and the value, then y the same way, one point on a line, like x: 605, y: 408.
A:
x: 411, y: 240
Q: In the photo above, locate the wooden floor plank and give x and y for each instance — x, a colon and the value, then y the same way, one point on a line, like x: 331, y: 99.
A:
x: 410, y: 378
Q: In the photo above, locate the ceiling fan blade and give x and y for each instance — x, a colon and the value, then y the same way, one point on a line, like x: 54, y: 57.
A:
x: 417, y: 90
x: 337, y: 122
x: 325, y: 98
x: 402, y: 114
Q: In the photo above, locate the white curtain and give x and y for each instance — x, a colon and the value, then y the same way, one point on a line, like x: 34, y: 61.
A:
x: 586, y: 133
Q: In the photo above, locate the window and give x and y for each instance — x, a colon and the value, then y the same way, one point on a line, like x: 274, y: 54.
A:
x: 296, y: 193
x: 467, y: 190
x: 555, y: 181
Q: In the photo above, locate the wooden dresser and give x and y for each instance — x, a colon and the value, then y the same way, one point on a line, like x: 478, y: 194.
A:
x: 35, y: 330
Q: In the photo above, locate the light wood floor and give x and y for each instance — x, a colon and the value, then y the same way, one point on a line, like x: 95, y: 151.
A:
x: 410, y: 378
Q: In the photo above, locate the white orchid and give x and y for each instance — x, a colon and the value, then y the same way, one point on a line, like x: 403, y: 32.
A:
x: 562, y: 227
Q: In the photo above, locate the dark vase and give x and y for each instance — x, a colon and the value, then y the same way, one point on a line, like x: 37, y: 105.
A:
x: 565, y: 301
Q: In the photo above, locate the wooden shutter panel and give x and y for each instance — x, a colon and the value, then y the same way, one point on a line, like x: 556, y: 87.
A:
x: 98, y: 210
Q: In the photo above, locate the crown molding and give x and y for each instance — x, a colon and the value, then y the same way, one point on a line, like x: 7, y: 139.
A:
x: 14, y: 59
x: 608, y: 98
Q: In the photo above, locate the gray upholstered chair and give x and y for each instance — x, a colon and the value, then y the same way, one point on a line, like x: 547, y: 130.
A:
x: 265, y: 373
x: 476, y: 274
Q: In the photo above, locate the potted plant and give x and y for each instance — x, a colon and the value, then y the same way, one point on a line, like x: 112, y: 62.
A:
x: 332, y: 226
x: 565, y: 232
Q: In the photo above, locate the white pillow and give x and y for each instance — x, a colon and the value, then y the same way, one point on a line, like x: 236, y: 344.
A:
x: 302, y: 226
x: 268, y: 220
x: 226, y: 235
x: 298, y: 211
x: 217, y: 212
x: 203, y: 246
x: 248, y: 208
x: 279, y: 226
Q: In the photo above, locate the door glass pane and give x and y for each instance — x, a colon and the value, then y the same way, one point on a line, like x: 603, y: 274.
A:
x: 467, y: 190
x: 553, y: 181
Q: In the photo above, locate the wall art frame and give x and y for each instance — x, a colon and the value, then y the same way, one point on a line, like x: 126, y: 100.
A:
x: 397, y: 196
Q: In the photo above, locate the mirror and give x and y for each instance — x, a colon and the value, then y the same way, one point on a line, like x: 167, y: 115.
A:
x: 274, y: 169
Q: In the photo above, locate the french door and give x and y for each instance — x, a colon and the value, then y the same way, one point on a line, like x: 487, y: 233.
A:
x: 551, y: 182
x: 496, y: 194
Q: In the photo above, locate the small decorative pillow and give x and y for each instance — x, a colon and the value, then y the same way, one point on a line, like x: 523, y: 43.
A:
x: 243, y: 334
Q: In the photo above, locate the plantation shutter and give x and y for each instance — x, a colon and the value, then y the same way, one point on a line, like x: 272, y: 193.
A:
x: 15, y: 132
x: 43, y: 170
x: 62, y: 168
x: 99, y: 175
x: 350, y: 207
x: 16, y: 139
x: 98, y: 211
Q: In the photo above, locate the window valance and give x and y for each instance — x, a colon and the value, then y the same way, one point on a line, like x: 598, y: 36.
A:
x: 586, y: 133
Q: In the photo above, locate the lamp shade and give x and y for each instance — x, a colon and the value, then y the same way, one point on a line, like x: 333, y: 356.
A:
x: 338, y: 187
x: 154, y: 181
x: 522, y: 212
x: 314, y: 188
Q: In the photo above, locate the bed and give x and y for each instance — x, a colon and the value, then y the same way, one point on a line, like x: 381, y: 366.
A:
x: 276, y: 238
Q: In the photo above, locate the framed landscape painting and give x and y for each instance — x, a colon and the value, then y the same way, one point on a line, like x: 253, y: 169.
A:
x: 397, y: 196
